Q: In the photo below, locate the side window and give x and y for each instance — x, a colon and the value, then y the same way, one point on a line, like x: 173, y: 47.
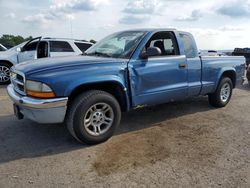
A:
x: 31, y: 46
x: 189, y: 48
x: 83, y: 46
x: 166, y: 42
x: 60, y: 46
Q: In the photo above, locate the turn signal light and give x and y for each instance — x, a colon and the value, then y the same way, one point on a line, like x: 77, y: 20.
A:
x: 43, y: 95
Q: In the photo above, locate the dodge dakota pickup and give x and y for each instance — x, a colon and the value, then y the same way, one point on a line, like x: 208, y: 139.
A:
x: 125, y: 70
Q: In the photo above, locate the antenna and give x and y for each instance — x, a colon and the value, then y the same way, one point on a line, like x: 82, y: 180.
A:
x: 71, y: 30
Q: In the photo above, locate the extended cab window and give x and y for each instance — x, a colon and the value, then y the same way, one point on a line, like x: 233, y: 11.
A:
x: 60, y: 46
x: 83, y: 46
x: 166, y: 42
x: 189, y: 48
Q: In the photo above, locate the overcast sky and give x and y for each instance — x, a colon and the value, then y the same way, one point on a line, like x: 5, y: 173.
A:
x: 216, y: 24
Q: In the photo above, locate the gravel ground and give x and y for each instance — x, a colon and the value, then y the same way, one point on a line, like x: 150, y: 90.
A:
x: 186, y: 144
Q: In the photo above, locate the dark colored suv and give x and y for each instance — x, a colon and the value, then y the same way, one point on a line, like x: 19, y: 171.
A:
x: 246, y: 53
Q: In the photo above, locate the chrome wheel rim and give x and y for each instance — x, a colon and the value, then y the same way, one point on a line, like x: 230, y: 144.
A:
x: 98, y: 119
x: 225, y: 92
x: 4, y: 74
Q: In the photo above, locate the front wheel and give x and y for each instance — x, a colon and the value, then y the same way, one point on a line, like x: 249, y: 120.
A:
x: 93, y: 117
x: 4, y: 73
x: 223, y: 93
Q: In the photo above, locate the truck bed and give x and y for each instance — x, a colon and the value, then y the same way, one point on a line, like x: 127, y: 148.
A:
x: 214, y: 66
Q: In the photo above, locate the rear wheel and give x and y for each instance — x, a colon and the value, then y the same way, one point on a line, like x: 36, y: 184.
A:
x: 223, y: 93
x: 4, y: 73
x: 93, y: 117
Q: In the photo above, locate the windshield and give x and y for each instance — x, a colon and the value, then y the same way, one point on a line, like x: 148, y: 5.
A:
x: 118, y: 45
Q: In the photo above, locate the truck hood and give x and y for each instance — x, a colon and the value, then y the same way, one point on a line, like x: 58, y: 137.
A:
x: 71, y: 62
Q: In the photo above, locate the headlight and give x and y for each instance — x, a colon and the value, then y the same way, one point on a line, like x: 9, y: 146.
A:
x: 12, y: 75
x: 38, y: 90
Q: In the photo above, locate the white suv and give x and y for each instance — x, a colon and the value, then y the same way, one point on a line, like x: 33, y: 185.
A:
x: 39, y: 48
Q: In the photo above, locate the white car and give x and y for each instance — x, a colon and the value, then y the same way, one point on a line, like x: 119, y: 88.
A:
x: 39, y: 48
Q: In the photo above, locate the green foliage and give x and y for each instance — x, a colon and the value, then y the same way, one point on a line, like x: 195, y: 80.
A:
x: 11, y: 40
x: 93, y: 41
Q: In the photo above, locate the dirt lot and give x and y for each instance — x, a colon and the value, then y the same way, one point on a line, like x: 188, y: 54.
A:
x: 186, y: 144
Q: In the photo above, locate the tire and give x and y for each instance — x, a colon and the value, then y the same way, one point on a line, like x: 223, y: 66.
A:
x: 93, y: 117
x: 221, y: 97
x: 4, y: 73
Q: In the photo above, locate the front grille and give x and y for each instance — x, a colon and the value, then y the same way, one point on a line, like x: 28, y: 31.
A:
x: 20, y: 78
x: 18, y: 81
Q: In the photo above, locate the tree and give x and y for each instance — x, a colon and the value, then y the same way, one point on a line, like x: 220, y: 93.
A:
x: 93, y: 41
x: 11, y: 40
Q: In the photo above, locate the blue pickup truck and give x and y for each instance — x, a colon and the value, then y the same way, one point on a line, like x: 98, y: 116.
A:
x: 123, y: 71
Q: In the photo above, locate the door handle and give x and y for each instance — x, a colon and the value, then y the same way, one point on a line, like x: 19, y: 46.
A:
x: 182, y: 66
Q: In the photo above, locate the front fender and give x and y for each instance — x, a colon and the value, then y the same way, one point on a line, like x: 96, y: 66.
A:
x: 93, y: 80
x: 12, y: 58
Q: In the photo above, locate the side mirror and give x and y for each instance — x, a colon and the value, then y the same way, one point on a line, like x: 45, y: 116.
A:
x: 19, y: 49
x: 151, y: 51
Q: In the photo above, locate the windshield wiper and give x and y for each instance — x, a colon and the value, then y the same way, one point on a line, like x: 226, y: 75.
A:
x: 97, y: 54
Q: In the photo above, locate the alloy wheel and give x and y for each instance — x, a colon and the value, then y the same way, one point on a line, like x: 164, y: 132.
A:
x: 4, y: 74
x: 98, y: 119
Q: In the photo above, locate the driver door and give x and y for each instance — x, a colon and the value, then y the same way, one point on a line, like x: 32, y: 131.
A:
x: 28, y: 51
x: 159, y: 79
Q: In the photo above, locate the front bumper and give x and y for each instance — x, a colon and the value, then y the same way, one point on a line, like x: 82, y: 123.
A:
x: 40, y: 110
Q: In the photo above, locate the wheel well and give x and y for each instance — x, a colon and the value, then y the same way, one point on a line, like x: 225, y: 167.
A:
x: 113, y: 88
x: 8, y: 62
x: 231, y: 75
